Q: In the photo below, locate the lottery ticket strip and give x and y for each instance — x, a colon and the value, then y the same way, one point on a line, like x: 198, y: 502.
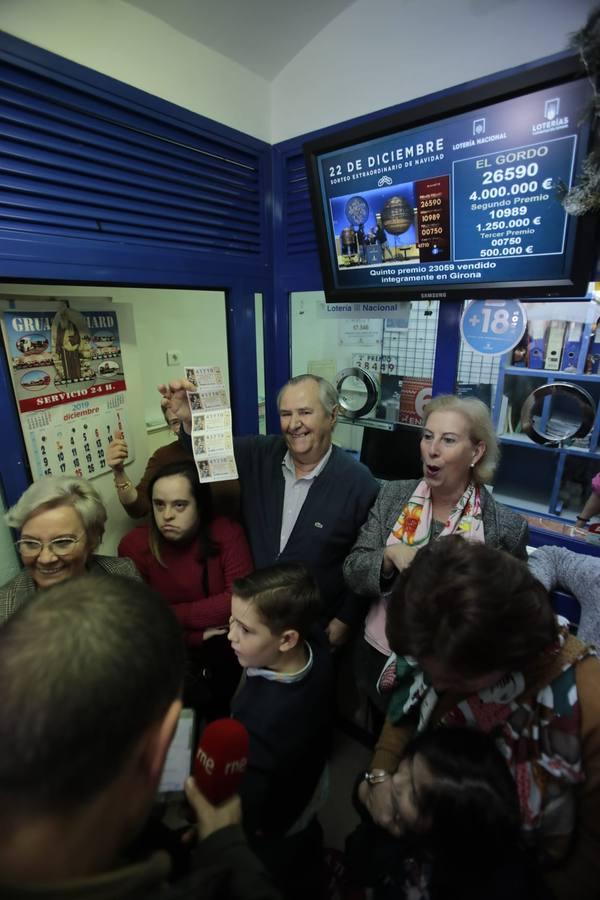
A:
x: 212, y: 440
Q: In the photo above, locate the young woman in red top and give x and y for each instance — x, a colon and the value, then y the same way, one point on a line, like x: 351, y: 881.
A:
x: 192, y: 559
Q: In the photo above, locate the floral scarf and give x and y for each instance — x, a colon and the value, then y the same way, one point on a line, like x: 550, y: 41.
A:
x: 413, y: 527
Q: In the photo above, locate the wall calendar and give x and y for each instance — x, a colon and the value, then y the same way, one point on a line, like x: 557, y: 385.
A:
x: 67, y: 374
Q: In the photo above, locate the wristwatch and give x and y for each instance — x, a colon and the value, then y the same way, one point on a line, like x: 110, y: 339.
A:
x: 376, y: 776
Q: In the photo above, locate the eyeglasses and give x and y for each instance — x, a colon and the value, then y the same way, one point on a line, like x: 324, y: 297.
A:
x: 59, y: 546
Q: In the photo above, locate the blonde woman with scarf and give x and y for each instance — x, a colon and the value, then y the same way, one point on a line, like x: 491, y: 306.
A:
x: 460, y: 453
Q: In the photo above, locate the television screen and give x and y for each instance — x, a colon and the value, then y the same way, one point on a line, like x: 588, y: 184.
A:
x: 458, y: 196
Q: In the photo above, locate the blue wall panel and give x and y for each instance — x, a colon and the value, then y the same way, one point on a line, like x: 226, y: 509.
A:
x: 104, y: 184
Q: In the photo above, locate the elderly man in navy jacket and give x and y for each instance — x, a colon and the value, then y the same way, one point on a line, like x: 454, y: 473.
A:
x: 302, y: 499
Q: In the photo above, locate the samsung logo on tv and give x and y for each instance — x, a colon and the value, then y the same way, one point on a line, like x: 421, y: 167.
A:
x: 434, y: 295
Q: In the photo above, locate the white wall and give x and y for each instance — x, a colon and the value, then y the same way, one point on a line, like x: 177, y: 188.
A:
x: 135, y: 47
x: 191, y: 322
x: 150, y: 322
x: 375, y: 54
x: 379, y: 53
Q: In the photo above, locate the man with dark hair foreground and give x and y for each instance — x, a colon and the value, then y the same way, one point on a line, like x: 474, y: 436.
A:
x: 91, y: 673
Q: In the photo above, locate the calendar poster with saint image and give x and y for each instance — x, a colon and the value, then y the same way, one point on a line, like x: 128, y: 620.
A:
x: 68, y: 379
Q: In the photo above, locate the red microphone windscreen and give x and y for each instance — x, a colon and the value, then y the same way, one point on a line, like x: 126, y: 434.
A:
x: 221, y: 759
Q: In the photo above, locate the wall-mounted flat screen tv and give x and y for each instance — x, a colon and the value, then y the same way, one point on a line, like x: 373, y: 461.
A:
x: 457, y: 196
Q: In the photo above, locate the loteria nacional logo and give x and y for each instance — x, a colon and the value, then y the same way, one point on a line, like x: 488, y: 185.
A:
x: 552, y: 120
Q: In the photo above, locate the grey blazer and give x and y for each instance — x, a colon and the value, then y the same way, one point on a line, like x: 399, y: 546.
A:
x: 503, y: 528
x: 577, y: 573
x: 15, y: 592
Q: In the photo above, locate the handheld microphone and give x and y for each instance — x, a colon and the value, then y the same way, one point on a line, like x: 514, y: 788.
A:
x: 221, y: 759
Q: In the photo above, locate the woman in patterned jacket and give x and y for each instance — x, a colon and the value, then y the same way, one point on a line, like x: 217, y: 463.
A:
x: 478, y: 645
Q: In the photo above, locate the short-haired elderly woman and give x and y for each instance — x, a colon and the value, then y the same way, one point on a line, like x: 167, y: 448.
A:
x: 61, y: 522
x: 478, y: 645
x: 460, y: 452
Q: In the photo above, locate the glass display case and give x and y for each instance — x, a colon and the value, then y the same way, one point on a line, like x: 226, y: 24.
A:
x: 388, y: 360
x: 544, y: 395
x: 545, y: 409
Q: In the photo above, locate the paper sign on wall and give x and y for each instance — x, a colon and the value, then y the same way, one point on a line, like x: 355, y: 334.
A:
x: 493, y: 327
x: 67, y: 374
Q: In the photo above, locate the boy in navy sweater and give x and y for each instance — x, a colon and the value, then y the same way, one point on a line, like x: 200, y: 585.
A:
x: 285, y: 702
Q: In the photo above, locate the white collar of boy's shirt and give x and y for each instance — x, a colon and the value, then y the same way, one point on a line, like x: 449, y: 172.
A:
x: 284, y: 677
x: 288, y: 462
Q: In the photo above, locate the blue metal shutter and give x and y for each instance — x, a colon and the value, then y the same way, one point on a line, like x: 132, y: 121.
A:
x: 297, y: 213
x: 85, y: 164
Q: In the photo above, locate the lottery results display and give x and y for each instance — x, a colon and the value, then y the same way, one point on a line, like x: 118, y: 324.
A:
x: 212, y: 441
x: 68, y: 378
x: 455, y: 197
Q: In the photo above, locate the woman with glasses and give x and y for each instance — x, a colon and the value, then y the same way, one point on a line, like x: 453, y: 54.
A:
x: 61, y: 522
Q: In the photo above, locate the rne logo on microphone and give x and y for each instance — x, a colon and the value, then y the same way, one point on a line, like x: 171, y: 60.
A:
x: 207, y: 762
x: 236, y: 766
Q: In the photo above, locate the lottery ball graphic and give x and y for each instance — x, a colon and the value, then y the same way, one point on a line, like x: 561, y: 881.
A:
x: 397, y: 215
x: 357, y: 210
